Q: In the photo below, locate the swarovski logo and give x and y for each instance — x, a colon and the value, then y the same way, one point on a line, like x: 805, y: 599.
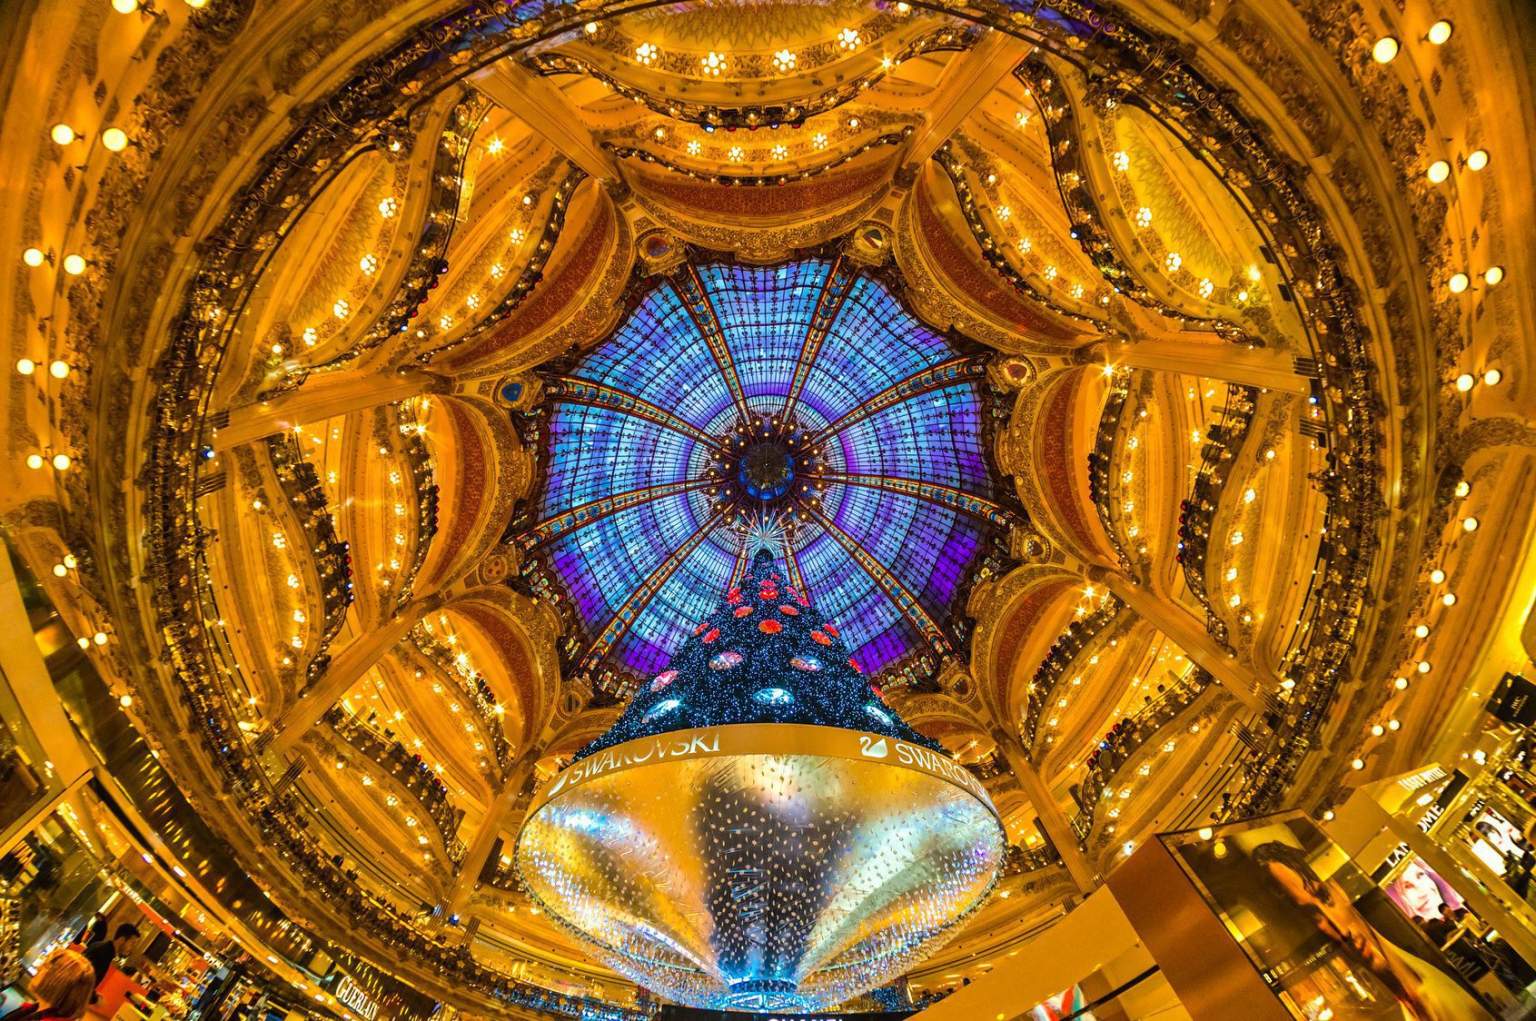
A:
x: 873, y: 750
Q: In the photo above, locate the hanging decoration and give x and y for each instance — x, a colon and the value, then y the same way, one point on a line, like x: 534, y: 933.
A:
x: 758, y: 830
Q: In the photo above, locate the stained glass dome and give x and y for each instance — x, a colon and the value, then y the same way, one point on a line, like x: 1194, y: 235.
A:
x: 802, y: 401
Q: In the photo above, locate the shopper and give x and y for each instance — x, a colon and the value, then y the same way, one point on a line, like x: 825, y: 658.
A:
x: 102, y: 953
x: 61, y: 989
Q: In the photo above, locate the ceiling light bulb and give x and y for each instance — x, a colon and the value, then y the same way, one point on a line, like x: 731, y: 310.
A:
x: 1463, y: 488
x: 1423, y: 666
x: 1440, y: 32
x: 1422, y: 631
x: 1465, y: 381
x: 125, y: 6
x: 33, y: 257
x: 1477, y: 159
x: 1492, y: 377
x: 1400, y: 683
x: 58, y: 369
x: 74, y: 264
x: 126, y: 701
x: 1449, y: 599
x: 26, y: 366
x: 1458, y: 282
x: 1438, y: 171
x: 1377, y: 730
x: 1385, y: 49
x: 34, y: 461
x: 114, y: 139
x: 1437, y: 576
x: 1469, y: 524
x: 1493, y: 275
x: 63, y: 134
x: 1357, y: 764
x: 61, y: 462
x: 590, y: 28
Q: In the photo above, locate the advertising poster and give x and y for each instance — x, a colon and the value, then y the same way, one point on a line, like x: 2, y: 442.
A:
x: 1420, y: 892
x: 1322, y: 935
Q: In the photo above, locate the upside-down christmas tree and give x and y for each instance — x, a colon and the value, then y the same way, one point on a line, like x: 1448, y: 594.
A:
x: 758, y: 830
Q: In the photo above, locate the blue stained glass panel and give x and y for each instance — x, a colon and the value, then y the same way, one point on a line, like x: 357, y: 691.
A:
x: 638, y: 570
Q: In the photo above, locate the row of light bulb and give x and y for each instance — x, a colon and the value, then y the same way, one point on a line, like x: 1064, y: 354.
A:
x: 58, y: 369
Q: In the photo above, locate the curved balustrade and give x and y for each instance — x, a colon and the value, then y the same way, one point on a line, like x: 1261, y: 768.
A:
x: 1101, y: 463
x: 1217, y: 456
x: 1078, y: 635
x: 1127, y: 737
x: 475, y: 692
x: 408, y: 768
x: 418, y: 461
x: 300, y: 485
x: 1024, y: 860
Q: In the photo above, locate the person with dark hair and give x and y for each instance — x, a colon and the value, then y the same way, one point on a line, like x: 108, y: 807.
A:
x: 103, y: 952
x: 1424, y: 991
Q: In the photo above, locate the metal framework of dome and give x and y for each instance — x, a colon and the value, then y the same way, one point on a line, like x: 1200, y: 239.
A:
x: 803, y: 400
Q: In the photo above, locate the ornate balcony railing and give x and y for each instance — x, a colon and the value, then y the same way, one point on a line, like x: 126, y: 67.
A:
x: 474, y: 693
x: 300, y: 485
x: 1118, y: 749
x: 1079, y: 635
x: 1197, y: 514
x: 408, y: 769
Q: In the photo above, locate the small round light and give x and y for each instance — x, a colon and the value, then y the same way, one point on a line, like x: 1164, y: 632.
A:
x: 1436, y: 576
x: 1422, y: 631
x: 34, y: 461
x: 1438, y: 171
x: 1393, y: 725
x: 1493, y: 275
x: 74, y: 264
x: 71, y: 561
x: 59, y: 570
x: 1440, y: 32
x: 1463, y: 488
x: 101, y: 638
x: 1423, y: 666
x: 1477, y: 159
x: 1385, y: 49
x: 125, y: 6
x: 125, y: 701
x: 1492, y: 377
x: 1328, y: 816
x: 1459, y: 282
x: 58, y: 369
x: 1357, y: 764
x: 197, y: 5
x: 1206, y: 833
x: 1449, y: 599
x: 1465, y: 381
x: 26, y: 366
x: 61, y: 462
x: 1400, y: 683
x: 1469, y: 524
x: 63, y: 134
x: 591, y: 28
x: 114, y: 139
x: 1377, y: 730
x: 84, y: 643
x: 33, y: 257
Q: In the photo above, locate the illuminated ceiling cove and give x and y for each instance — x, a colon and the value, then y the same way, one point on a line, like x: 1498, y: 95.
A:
x: 801, y: 399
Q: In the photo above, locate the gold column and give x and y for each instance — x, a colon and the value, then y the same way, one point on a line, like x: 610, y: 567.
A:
x: 323, y: 397
x: 1232, y: 363
x: 485, y: 837
x: 345, y: 670
x: 1188, y: 632
x: 1052, y: 819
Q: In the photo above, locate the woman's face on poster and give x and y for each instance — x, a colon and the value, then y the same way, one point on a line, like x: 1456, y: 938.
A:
x: 1420, y: 892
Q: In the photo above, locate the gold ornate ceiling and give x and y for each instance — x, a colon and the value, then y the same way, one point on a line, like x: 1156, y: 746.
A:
x: 1271, y: 446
